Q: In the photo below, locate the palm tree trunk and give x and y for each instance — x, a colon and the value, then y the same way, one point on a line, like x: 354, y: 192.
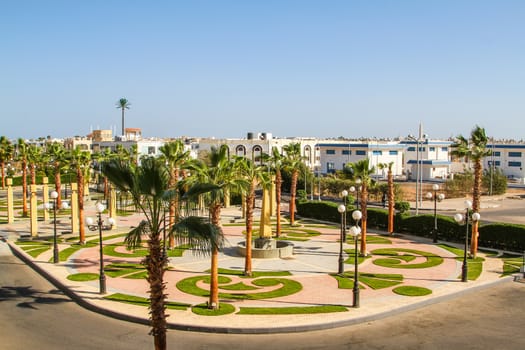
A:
x: 364, y: 202
x: 476, y: 201
x: 390, y: 202
x: 80, y: 185
x: 3, y: 174
x: 293, y: 188
x: 58, y: 185
x: 213, y: 302
x: 33, y: 175
x: 249, y: 230
x: 155, y: 267
x: 24, y: 189
x: 174, y: 204
x: 278, y: 184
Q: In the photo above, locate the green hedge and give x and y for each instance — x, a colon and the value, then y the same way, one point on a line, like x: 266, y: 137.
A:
x: 498, y: 236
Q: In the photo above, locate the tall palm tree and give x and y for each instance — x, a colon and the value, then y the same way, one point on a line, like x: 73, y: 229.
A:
x: 293, y: 162
x: 363, y: 170
x: 212, y: 180
x: 6, y: 153
x: 79, y: 161
x: 254, y: 175
x: 390, y: 194
x: 123, y: 104
x: 474, y: 149
x: 35, y: 157
x: 175, y: 157
x: 276, y: 161
x: 147, y: 184
x: 22, y: 157
x: 56, y: 153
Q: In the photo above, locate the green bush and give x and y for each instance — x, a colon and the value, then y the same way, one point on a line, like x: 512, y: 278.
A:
x: 502, y: 236
x: 402, y: 207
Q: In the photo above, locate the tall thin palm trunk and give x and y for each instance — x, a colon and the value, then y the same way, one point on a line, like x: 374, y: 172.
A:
x: 213, y: 302
x: 24, y: 189
x: 80, y: 185
x: 364, y: 202
x: 476, y: 201
x: 390, y: 201
x: 278, y: 184
x: 293, y: 188
x: 249, y: 229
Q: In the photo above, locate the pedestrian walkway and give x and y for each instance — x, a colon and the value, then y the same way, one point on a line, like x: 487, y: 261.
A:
x: 312, y: 266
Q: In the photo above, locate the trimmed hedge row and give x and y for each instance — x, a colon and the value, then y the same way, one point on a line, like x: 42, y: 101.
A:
x: 498, y: 235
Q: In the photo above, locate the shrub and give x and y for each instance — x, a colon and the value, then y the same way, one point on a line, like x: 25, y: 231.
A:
x: 402, y: 207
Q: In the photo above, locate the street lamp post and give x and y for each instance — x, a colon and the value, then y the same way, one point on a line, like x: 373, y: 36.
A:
x: 102, y: 277
x: 344, y: 194
x: 356, y: 190
x: 355, y: 231
x: 341, y: 209
x: 459, y: 218
x: 437, y: 198
x: 54, y: 196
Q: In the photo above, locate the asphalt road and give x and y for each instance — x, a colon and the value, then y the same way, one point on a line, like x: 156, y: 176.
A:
x: 34, y: 315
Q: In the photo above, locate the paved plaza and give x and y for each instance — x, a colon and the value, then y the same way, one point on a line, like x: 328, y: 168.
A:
x: 313, y: 264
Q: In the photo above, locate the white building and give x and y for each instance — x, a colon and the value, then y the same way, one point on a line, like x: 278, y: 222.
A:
x: 509, y: 158
x: 433, y: 157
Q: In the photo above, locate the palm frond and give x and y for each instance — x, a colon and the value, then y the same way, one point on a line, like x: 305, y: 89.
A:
x: 200, y: 234
x: 134, y: 237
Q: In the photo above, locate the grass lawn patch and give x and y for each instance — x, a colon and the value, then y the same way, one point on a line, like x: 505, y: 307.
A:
x: 412, y: 291
x: 351, y: 257
x: 291, y: 310
x: 511, y: 264
x: 83, y: 277
x: 372, y: 280
x: 202, y: 310
x: 134, y: 300
x: 372, y: 239
x: 475, y: 266
x: 255, y: 274
x: 285, y: 287
x: 123, y: 269
x: 401, y: 258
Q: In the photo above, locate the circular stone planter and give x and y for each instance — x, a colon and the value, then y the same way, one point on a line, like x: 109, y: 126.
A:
x: 267, y: 249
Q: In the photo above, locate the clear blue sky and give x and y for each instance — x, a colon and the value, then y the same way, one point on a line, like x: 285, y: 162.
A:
x: 223, y: 68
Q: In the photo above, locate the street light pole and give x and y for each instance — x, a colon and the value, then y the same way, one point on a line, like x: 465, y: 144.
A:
x: 344, y: 194
x: 355, y: 231
x: 437, y: 198
x: 102, y: 277
x: 54, y: 196
x: 341, y: 209
x: 459, y: 218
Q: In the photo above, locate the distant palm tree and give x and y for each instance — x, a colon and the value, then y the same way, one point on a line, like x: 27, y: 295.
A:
x: 148, y: 185
x: 6, y: 153
x: 293, y: 162
x: 175, y: 157
x: 212, y: 180
x: 35, y: 158
x: 390, y: 194
x: 22, y: 155
x: 254, y: 174
x: 475, y: 149
x: 56, y: 154
x: 363, y: 170
x: 277, y: 162
x: 79, y: 160
x: 123, y: 104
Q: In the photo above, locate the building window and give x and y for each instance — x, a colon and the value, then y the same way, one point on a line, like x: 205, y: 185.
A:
x: 421, y: 149
x: 444, y: 149
x: 514, y: 164
x: 330, y: 167
x: 411, y: 149
x: 515, y: 154
x: 360, y: 152
x: 377, y: 153
x: 347, y: 152
x: 392, y: 153
x: 495, y: 163
x: 432, y: 149
x: 497, y: 154
x: 330, y: 151
x: 151, y: 150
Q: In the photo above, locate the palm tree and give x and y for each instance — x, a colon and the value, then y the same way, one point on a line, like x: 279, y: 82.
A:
x: 147, y: 184
x: 56, y: 153
x: 390, y: 194
x: 212, y: 180
x: 6, y: 152
x: 123, y: 104
x: 35, y: 157
x: 362, y: 170
x: 79, y: 160
x: 475, y: 149
x: 277, y: 161
x: 22, y: 157
x: 293, y: 162
x: 254, y: 175
x: 175, y: 157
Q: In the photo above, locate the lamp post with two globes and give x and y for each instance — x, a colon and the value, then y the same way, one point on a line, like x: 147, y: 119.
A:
x: 459, y: 218
x: 102, y: 277
x: 437, y: 198
x: 342, y: 210
x: 355, y: 231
